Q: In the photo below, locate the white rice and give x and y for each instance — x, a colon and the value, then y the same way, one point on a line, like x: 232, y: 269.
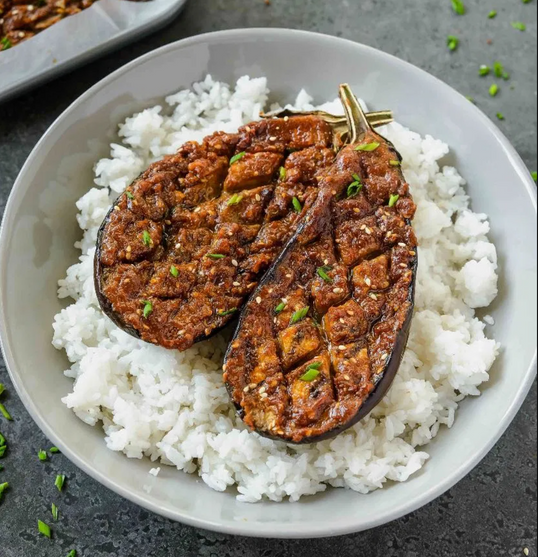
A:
x: 173, y: 407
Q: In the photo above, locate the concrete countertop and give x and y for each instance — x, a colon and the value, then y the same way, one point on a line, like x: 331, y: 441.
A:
x: 492, y: 512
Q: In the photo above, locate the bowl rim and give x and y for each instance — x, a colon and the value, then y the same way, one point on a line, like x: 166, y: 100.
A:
x: 251, y: 529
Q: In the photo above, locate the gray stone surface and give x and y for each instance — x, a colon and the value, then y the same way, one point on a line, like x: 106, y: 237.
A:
x: 492, y: 512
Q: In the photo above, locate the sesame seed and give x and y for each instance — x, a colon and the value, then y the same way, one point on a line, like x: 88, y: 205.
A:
x: 338, y: 290
x: 197, y: 210
x: 373, y: 296
x: 526, y: 551
x: 178, y: 246
x: 350, y: 313
x: 346, y: 377
x: 258, y: 300
x: 258, y: 197
x: 326, y: 262
x: 342, y: 321
x: 235, y: 263
x: 264, y: 396
x: 129, y: 248
x: 341, y: 347
x: 286, y: 118
x: 253, y: 385
x: 402, y: 245
x: 285, y: 300
x: 272, y: 138
x: 363, y: 227
x: 289, y: 275
x: 403, y: 265
x: 356, y: 210
x: 168, y: 222
x: 236, y: 283
x: 262, y: 390
x: 334, y: 192
x: 384, y: 357
x: 182, y: 332
x: 30, y: 8
x: 368, y: 281
x: 246, y: 389
x: 368, y: 230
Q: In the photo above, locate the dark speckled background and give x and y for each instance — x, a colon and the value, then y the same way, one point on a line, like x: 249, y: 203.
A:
x: 492, y: 512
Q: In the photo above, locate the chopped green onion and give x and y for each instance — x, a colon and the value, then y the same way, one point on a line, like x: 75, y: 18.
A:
x: 54, y: 450
x: 470, y: 99
x: 3, y: 449
x: 42, y: 455
x: 44, y: 529
x: 5, y: 413
x: 506, y: 76
x: 458, y: 6
x: 215, y: 256
x: 148, y: 308
x: 494, y: 90
x: 227, y: 312
x: 493, y: 14
x: 54, y: 511
x: 282, y: 173
x: 280, y: 308
x: 3, y: 487
x: 59, y: 482
x: 6, y: 43
x: 72, y: 553
x: 2, y: 440
x: 129, y: 195
x: 235, y: 199
x: 520, y: 26
x: 452, y: 42
x: 2, y: 388
x: 297, y: 205
x: 299, y: 315
x: 395, y: 163
x: 534, y: 176
x: 484, y: 70
x: 146, y: 238
x: 368, y: 147
x: 237, y: 157
x: 393, y: 199
x: 173, y: 271
x: 500, y: 115
x: 355, y: 187
x: 311, y: 373
x: 498, y: 69
x: 322, y: 272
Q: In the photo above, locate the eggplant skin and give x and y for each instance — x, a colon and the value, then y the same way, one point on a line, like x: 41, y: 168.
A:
x: 355, y: 358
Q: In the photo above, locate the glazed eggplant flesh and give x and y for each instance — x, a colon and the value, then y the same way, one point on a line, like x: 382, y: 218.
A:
x: 322, y: 337
x: 187, y: 242
x: 184, y: 246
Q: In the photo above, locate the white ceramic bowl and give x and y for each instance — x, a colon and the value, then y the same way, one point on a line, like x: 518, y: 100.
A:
x: 39, y: 229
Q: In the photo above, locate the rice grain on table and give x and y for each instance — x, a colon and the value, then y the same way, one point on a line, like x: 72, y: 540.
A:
x: 173, y: 407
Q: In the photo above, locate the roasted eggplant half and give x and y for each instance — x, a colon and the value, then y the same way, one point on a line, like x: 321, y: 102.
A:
x: 182, y: 249
x: 322, y: 337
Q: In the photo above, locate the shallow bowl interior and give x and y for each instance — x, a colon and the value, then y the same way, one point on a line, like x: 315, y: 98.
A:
x: 39, y: 230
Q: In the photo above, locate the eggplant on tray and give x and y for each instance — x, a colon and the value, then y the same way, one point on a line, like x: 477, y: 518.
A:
x: 186, y: 244
x: 322, y: 337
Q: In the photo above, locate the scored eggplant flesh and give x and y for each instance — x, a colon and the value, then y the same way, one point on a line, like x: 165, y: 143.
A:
x: 322, y: 337
x: 182, y: 249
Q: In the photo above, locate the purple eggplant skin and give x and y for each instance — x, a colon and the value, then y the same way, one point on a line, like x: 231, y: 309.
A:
x: 98, y: 271
x: 386, y: 378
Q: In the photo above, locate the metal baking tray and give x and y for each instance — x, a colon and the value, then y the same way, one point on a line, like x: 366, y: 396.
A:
x: 77, y: 39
